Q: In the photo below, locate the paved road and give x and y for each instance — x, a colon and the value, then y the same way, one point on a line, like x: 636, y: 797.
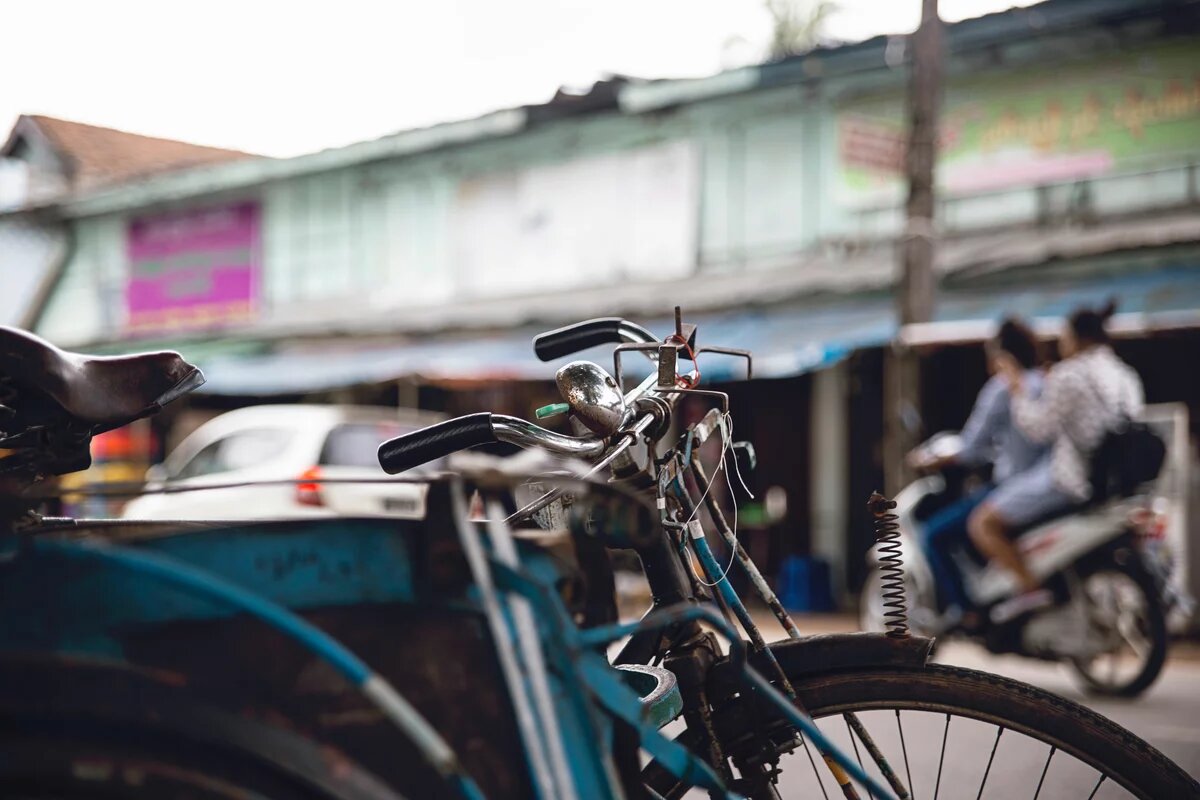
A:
x: 1168, y: 716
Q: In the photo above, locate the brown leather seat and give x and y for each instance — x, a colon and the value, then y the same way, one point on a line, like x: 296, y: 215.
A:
x: 103, y: 391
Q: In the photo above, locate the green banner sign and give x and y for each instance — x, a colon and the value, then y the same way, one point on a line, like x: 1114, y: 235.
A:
x: 1032, y: 127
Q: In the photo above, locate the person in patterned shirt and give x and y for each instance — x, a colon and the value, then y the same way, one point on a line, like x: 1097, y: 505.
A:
x: 1083, y: 397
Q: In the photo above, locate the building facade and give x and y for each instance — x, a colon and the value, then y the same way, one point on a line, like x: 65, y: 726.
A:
x: 766, y: 201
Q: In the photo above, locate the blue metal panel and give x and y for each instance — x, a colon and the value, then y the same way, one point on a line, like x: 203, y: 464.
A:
x: 302, y: 566
x: 310, y: 564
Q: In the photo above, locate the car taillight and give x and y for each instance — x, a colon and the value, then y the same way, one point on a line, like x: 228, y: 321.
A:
x: 308, y: 489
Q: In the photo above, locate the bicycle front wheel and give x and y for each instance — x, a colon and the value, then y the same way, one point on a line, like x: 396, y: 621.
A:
x: 952, y: 732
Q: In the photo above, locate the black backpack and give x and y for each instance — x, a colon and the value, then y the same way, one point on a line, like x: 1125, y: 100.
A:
x: 1128, y: 456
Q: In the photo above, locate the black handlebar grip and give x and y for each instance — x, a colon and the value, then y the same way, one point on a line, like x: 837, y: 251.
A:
x: 580, y: 336
x: 436, y: 441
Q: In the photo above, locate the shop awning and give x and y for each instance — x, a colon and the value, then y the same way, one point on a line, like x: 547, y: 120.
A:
x: 785, y: 340
x: 317, y: 369
x: 1149, y: 299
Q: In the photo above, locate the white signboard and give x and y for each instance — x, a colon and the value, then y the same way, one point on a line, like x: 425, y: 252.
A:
x: 592, y: 221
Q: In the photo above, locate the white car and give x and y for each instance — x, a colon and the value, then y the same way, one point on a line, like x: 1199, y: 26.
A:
x: 296, y: 443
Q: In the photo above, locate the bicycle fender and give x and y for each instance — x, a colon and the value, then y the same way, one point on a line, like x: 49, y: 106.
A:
x: 828, y: 652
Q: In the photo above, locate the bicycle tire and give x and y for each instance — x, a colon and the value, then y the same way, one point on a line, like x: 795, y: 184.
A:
x: 95, y: 729
x: 1096, y: 741
x: 97, y: 759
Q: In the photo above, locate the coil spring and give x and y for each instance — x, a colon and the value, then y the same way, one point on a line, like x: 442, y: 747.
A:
x: 891, y: 566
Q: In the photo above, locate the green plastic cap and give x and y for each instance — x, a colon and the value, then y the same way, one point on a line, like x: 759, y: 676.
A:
x: 552, y: 410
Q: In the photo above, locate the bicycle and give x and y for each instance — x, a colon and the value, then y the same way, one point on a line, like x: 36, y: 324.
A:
x: 823, y: 676
x: 141, y: 677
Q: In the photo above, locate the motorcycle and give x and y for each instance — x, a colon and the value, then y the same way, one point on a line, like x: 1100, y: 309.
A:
x: 1106, y: 565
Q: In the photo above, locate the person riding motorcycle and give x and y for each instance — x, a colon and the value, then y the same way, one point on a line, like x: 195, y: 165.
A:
x: 1082, y: 398
x: 988, y: 436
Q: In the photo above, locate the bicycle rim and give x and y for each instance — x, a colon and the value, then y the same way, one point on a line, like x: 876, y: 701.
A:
x: 951, y: 732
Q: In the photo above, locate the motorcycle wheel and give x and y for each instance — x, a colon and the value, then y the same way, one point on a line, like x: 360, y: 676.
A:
x: 1124, y: 607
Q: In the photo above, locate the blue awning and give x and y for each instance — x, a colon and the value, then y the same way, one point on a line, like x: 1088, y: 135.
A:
x: 785, y: 341
x: 795, y: 339
x: 1148, y: 299
x: 1045, y: 294
x: 316, y: 369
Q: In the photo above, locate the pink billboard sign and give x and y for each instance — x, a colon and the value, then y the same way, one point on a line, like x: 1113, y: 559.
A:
x: 193, y: 269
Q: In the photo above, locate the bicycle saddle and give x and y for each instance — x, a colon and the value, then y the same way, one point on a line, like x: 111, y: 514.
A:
x: 101, y: 391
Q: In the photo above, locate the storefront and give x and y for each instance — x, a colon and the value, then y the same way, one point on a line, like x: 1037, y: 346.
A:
x: 414, y: 270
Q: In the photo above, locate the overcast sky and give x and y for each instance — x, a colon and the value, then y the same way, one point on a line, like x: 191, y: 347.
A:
x: 283, y: 77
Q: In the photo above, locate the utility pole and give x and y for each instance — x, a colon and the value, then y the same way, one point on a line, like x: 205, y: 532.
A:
x: 914, y: 299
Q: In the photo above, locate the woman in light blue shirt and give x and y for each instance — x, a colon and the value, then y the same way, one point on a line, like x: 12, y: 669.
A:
x: 988, y: 436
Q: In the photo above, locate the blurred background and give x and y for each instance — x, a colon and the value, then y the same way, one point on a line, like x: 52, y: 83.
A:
x: 381, y: 204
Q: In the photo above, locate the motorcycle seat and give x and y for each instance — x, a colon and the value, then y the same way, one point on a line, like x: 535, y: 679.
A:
x: 1076, y: 508
x: 103, y: 392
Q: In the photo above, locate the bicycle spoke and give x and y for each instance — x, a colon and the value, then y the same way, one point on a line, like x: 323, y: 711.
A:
x: 854, y: 744
x: 1103, y: 778
x: 941, y: 759
x: 904, y: 750
x: 1045, y: 769
x: 816, y: 771
x: 987, y: 770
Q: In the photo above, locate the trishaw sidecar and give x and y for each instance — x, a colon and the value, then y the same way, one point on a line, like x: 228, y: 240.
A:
x: 119, y: 681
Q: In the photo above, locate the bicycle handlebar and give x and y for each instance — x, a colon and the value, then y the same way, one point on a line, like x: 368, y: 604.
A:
x: 438, y: 441
x: 570, y: 339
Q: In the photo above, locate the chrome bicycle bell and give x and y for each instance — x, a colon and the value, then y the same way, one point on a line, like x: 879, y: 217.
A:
x: 594, y: 396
